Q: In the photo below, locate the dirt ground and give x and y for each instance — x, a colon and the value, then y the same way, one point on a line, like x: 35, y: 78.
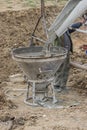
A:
x: 16, y: 26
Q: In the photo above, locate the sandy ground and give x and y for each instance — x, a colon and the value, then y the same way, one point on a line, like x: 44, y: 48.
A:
x: 15, y: 31
x: 26, y: 4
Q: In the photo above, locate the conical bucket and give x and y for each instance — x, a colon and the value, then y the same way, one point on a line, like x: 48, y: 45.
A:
x: 38, y: 64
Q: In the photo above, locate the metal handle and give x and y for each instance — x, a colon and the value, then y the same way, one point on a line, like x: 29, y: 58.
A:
x: 44, y: 24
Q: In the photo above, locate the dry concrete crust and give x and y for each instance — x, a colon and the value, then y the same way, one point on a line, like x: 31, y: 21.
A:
x: 15, y: 30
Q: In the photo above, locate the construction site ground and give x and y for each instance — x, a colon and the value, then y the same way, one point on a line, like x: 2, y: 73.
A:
x: 17, y: 21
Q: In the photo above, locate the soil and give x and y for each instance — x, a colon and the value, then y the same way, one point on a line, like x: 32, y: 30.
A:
x: 16, y: 27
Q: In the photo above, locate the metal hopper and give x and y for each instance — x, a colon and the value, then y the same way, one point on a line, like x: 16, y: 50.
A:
x: 37, y: 64
x: 40, y: 67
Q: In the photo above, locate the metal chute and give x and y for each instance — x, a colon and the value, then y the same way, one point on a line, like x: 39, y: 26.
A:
x: 72, y: 10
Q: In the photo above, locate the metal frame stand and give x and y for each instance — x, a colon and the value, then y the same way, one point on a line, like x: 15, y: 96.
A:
x: 32, y: 100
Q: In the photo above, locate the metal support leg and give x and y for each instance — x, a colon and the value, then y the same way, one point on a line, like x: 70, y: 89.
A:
x: 54, y: 94
x: 33, y: 92
x: 30, y: 100
x: 27, y: 93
